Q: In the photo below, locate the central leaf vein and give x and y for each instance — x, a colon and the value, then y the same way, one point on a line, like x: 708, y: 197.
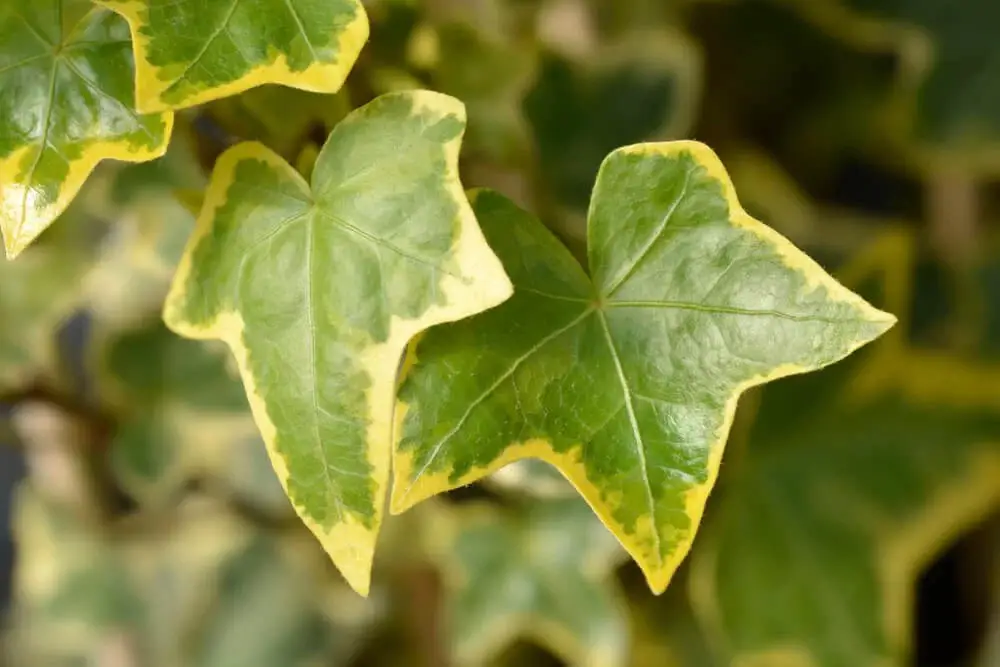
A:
x: 728, y: 310
x: 654, y: 237
x: 302, y: 28
x: 314, y: 375
x: 379, y: 241
x: 204, y: 49
x: 634, y: 423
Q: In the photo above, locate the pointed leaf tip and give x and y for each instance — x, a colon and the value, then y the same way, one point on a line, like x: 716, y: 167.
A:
x: 625, y: 376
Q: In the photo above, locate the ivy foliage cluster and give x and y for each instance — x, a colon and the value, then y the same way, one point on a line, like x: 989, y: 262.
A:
x: 433, y: 332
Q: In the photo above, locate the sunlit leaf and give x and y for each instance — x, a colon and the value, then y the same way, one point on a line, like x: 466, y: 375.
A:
x: 858, y: 480
x: 188, y: 53
x: 625, y: 379
x: 66, y: 103
x: 317, y: 288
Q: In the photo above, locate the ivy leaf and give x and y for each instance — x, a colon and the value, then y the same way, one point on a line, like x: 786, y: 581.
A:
x: 492, y: 76
x: 542, y: 572
x: 641, y: 87
x: 184, y: 417
x: 66, y: 78
x: 626, y: 379
x: 948, y: 60
x: 815, y: 550
x: 188, y: 53
x: 71, y: 604
x: 281, y: 117
x: 38, y: 296
x: 317, y: 288
x: 814, y: 500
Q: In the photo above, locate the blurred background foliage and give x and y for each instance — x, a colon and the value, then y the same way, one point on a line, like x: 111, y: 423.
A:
x: 856, y: 519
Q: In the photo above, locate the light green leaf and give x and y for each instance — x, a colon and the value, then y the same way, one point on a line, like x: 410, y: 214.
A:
x: 813, y: 555
x: 541, y: 572
x: 66, y: 103
x: 38, y: 292
x: 184, y: 418
x: 266, y: 614
x: 282, y: 118
x: 190, y: 52
x: 491, y: 75
x: 70, y: 603
x: 626, y: 379
x: 317, y: 288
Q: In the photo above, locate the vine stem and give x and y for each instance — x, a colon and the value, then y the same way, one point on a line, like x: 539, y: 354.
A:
x: 952, y: 208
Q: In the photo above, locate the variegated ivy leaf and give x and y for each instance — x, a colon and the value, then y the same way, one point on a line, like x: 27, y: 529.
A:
x: 192, y: 51
x: 66, y: 103
x: 625, y: 379
x: 541, y: 571
x: 814, y: 554
x: 948, y: 56
x: 317, y: 288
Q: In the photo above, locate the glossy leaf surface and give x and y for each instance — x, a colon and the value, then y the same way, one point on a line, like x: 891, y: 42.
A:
x: 192, y: 51
x: 66, y: 103
x: 626, y: 379
x: 317, y: 288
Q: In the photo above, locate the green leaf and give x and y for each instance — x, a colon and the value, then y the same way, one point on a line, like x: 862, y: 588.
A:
x: 642, y: 87
x: 188, y: 53
x: 37, y: 296
x: 67, y: 103
x: 813, y: 554
x: 542, y: 572
x: 857, y: 479
x: 492, y: 76
x: 184, y: 417
x: 70, y: 601
x: 317, y: 288
x: 948, y: 57
x: 282, y: 118
x: 626, y: 379
x: 266, y: 613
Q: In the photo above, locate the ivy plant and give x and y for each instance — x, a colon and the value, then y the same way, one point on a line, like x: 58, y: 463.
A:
x: 321, y: 296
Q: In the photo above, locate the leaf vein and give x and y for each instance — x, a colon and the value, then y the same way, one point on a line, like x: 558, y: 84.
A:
x: 618, y: 282
x: 634, y: 423
x: 729, y: 310
x: 489, y: 390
